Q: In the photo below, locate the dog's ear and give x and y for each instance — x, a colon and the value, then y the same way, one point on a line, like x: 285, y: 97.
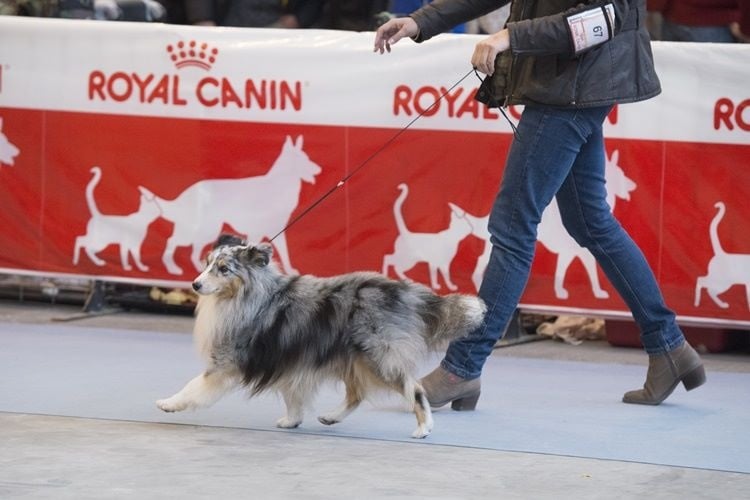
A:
x: 259, y: 255
x: 266, y: 250
x: 227, y: 239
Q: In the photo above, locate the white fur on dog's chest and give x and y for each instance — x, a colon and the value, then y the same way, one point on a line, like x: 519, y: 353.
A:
x: 206, y: 325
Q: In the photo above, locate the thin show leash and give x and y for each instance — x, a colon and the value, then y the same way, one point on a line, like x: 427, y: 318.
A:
x: 388, y: 143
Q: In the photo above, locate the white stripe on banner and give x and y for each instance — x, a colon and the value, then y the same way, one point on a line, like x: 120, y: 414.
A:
x: 328, y: 78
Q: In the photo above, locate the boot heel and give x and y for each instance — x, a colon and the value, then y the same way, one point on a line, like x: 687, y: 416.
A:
x: 694, y: 378
x: 467, y: 403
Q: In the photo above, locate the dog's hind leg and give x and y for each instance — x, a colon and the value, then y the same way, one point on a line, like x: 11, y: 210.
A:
x: 415, y: 394
x: 446, y: 273
x: 353, y: 398
x: 564, y: 260
x: 77, y: 250
x: 698, y: 290
x: 714, y: 294
x: 195, y: 256
x: 589, y: 263
x: 124, y: 258
x: 94, y: 258
x: 168, y: 256
x: 204, y: 390
x: 391, y: 261
x: 387, y: 262
x: 434, y: 283
x: 136, y: 253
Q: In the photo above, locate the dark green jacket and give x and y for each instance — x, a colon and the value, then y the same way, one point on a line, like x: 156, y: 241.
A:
x: 542, y: 66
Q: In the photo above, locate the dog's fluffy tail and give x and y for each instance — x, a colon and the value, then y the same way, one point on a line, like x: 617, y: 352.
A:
x: 456, y: 315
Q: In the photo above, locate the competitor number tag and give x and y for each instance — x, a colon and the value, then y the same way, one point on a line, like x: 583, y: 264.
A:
x: 591, y: 27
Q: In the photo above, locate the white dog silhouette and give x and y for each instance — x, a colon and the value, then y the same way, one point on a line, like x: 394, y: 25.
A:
x: 552, y: 234
x: 8, y: 151
x: 256, y: 207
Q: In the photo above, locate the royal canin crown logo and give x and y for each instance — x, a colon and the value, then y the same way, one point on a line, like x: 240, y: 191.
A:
x: 192, y: 54
x: 188, y: 89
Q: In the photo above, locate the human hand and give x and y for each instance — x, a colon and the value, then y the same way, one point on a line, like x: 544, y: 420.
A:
x: 288, y: 21
x: 738, y: 34
x: 393, y: 31
x: 487, y: 50
x: 154, y: 10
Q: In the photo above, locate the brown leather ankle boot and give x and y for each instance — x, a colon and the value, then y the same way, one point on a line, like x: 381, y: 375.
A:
x: 667, y: 370
x: 442, y: 387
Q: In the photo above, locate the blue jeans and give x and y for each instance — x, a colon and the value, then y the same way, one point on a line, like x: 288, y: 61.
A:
x: 559, y: 152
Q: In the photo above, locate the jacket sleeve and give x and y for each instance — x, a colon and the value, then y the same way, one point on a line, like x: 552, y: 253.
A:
x: 658, y: 5
x: 553, y: 34
x: 442, y: 15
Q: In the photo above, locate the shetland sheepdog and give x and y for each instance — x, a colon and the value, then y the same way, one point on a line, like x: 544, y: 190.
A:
x: 261, y: 329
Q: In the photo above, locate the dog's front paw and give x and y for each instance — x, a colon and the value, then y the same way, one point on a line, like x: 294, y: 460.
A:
x: 421, y: 432
x: 328, y: 420
x: 288, y: 423
x: 171, y: 405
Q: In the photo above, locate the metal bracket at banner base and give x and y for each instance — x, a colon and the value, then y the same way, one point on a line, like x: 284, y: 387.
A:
x: 515, y: 333
x: 96, y: 298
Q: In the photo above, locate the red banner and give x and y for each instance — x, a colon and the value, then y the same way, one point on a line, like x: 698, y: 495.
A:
x: 131, y: 166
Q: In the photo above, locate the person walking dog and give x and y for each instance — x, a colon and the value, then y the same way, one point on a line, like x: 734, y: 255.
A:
x: 568, y: 62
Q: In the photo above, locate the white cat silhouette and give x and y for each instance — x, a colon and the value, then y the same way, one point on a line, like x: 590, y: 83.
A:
x: 724, y: 269
x: 479, y: 225
x: 255, y: 207
x: 436, y: 249
x: 127, y: 231
x: 552, y: 234
x: 8, y: 151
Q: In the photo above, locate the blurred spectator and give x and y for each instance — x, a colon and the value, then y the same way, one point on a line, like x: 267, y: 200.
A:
x: 198, y: 12
x: 272, y: 13
x: 76, y: 9
x: 741, y: 29
x: 404, y: 7
x: 48, y: 8
x: 175, y: 11
x: 352, y: 15
x: 695, y: 20
x: 130, y: 10
x: 120, y: 10
x: 244, y: 13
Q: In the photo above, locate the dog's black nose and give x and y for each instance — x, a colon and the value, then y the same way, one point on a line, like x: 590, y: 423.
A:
x: 196, y: 285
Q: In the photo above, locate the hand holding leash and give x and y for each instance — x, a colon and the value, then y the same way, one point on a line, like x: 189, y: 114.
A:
x: 393, y: 31
x: 487, y: 50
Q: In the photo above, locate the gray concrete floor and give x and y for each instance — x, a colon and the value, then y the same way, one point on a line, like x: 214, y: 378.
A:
x: 62, y: 457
